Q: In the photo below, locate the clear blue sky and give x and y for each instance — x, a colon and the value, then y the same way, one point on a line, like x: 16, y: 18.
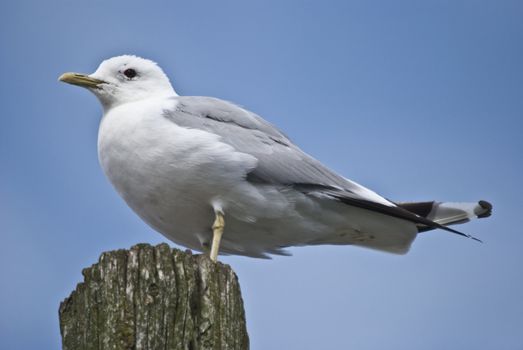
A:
x: 414, y: 99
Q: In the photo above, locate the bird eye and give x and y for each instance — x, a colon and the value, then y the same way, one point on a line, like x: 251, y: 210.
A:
x: 129, y: 73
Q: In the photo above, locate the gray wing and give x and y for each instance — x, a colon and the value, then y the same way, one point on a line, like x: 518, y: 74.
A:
x: 280, y: 162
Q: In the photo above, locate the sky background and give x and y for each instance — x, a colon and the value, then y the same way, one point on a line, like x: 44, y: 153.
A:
x: 415, y: 99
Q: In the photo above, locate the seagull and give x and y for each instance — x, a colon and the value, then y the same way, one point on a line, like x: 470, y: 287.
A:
x: 217, y: 178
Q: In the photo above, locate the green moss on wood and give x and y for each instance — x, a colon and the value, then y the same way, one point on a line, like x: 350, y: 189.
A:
x: 154, y: 298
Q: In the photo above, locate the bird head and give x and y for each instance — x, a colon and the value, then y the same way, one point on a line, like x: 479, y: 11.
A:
x: 123, y: 79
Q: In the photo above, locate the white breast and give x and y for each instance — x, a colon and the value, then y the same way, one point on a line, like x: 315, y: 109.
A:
x: 170, y: 175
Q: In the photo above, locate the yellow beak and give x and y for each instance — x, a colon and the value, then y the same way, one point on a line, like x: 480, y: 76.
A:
x: 82, y: 80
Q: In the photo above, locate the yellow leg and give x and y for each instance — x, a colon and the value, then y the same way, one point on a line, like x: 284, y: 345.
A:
x: 217, y: 232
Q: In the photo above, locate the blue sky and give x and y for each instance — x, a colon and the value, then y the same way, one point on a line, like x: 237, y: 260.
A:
x: 414, y: 99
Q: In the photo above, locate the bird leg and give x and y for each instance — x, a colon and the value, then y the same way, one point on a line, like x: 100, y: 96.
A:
x: 217, y: 232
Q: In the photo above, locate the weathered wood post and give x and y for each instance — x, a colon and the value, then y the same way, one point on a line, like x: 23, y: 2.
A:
x: 154, y: 298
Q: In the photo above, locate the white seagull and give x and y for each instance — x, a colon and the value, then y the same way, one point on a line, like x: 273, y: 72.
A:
x: 193, y: 167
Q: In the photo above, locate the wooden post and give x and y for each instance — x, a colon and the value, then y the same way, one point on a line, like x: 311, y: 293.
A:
x: 154, y: 298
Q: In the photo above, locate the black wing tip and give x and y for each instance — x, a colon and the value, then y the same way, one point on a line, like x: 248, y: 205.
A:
x: 446, y: 228
x: 400, y: 212
x: 476, y: 239
x: 487, y: 207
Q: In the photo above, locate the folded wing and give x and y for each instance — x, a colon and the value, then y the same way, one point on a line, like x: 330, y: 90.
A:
x: 280, y: 162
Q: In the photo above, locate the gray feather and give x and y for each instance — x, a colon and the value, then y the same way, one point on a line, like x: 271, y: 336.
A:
x: 279, y: 160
